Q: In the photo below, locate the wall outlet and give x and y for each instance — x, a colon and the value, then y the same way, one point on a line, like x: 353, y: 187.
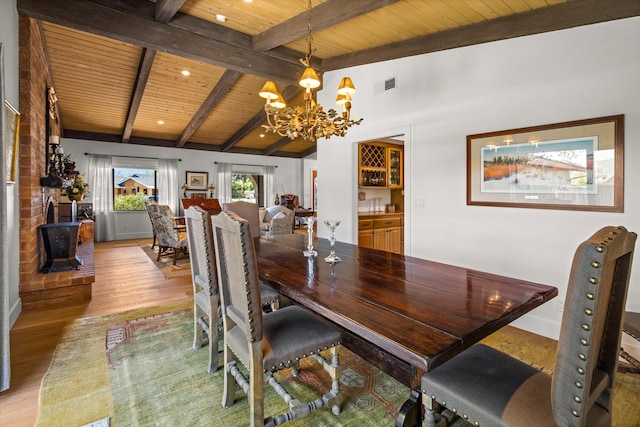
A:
x: 419, y: 203
x: 560, y: 304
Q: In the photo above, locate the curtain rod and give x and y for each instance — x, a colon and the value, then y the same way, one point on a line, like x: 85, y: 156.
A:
x: 133, y: 157
x: 245, y: 164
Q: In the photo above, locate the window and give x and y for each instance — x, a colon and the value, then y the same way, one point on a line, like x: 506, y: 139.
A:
x: 247, y: 187
x: 133, y: 187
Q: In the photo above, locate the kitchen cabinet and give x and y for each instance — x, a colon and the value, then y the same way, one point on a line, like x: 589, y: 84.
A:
x: 380, y: 165
x: 382, y: 231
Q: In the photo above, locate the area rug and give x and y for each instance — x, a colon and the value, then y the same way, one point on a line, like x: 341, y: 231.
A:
x: 165, y: 264
x: 138, y: 368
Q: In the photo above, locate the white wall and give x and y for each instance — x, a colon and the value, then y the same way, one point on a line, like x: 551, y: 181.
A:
x: 441, y: 97
x: 9, y: 39
x: 133, y: 225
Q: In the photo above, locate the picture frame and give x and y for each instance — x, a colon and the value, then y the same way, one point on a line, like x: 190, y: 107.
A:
x: 197, y: 180
x: 198, y: 195
x: 11, y: 125
x: 576, y: 165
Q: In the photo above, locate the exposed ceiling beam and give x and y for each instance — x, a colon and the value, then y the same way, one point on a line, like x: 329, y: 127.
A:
x: 288, y: 93
x: 104, y: 137
x: 140, y: 29
x: 551, y: 18
x: 144, y: 69
x: 326, y: 15
x: 217, y: 93
x: 278, y: 145
x: 166, y: 9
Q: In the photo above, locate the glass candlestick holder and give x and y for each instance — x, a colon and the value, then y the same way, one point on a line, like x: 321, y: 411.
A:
x: 310, y: 220
x: 332, y: 257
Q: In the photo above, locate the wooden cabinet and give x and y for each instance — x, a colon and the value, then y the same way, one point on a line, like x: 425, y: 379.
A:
x: 385, y: 232
x: 380, y: 165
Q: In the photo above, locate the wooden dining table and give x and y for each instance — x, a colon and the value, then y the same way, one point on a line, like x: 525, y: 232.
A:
x: 404, y: 315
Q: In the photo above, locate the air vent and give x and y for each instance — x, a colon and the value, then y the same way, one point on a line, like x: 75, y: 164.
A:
x: 390, y: 83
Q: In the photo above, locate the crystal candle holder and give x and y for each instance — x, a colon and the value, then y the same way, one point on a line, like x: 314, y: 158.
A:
x: 332, y: 257
x: 310, y: 220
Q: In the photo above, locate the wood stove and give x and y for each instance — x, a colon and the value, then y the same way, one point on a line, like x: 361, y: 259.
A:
x: 60, y: 243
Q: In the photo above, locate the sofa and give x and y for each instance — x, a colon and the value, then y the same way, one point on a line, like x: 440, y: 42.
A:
x: 276, y: 220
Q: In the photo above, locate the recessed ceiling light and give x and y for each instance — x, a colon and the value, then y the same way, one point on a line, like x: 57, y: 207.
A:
x: 248, y: 1
x: 221, y: 18
x: 262, y: 134
x: 160, y: 122
x: 185, y: 73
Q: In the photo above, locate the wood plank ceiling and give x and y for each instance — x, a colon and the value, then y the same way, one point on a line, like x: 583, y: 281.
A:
x: 116, y: 64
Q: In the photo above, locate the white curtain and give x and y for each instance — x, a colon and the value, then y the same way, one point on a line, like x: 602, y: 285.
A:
x: 100, y: 177
x: 168, y: 184
x: 269, y: 185
x: 5, y: 363
x: 223, y: 182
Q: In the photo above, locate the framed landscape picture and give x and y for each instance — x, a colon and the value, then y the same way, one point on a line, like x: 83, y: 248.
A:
x: 197, y: 180
x: 572, y: 165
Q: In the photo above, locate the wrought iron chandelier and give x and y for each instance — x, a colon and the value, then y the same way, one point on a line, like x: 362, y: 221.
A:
x: 308, y: 121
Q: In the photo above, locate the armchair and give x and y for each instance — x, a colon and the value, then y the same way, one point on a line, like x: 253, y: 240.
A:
x: 489, y: 388
x: 171, y: 241
x: 278, y: 220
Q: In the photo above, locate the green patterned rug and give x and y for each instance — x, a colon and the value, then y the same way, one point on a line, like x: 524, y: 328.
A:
x: 138, y: 369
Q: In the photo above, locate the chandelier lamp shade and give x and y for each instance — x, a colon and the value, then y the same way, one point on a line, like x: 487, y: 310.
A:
x: 309, y: 121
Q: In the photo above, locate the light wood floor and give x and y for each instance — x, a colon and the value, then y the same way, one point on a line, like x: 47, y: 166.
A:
x: 125, y: 279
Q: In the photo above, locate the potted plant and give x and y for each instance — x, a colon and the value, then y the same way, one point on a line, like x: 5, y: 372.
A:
x: 76, y: 190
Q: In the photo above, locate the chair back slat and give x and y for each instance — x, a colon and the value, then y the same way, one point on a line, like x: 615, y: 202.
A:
x: 238, y: 274
x: 590, y: 336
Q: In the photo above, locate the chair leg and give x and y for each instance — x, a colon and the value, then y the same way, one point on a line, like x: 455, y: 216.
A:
x: 213, y: 344
x: 197, y: 329
x: 154, y: 240
x: 228, y: 394
x: 431, y: 416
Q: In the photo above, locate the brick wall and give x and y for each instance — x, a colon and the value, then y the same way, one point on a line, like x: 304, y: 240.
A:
x: 37, y: 289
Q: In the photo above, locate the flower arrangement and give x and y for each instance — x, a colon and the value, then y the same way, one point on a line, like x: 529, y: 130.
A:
x: 77, y: 190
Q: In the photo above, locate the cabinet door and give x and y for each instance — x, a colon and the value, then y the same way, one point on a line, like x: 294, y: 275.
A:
x: 380, y: 239
x: 365, y: 239
x: 394, y: 162
x: 394, y: 240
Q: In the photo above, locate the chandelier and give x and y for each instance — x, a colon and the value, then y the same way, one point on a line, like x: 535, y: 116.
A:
x: 309, y: 121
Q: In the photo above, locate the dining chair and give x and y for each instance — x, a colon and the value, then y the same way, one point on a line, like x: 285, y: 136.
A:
x: 489, y: 388
x: 206, y: 298
x: 248, y: 211
x: 265, y: 342
x: 171, y: 239
x: 631, y: 327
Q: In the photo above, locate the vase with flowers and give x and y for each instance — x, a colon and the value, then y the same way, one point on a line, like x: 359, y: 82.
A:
x: 76, y: 190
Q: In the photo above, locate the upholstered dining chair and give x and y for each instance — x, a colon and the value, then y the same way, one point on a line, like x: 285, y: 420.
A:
x: 248, y: 211
x: 206, y: 298
x: 489, y: 388
x: 631, y: 326
x: 265, y: 343
x: 171, y: 240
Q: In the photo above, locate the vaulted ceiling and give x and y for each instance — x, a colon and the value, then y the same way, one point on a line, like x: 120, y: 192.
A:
x: 117, y: 64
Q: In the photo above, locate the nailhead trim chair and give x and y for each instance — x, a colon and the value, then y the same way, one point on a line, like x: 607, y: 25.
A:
x: 489, y: 388
x: 631, y: 326
x: 206, y: 299
x: 265, y: 342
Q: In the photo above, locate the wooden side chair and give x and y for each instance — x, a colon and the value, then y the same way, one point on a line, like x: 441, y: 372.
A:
x: 631, y: 326
x: 206, y: 297
x: 489, y: 388
x: 171, y: 241
x: 265, y: 343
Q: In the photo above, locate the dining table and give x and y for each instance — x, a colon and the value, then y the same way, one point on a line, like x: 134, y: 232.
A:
x: 405, y: 315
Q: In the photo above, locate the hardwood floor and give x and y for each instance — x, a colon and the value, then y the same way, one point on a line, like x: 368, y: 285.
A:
x: 125, y: 279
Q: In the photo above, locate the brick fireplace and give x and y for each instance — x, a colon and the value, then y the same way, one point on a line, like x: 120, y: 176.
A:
x: 39, y: 289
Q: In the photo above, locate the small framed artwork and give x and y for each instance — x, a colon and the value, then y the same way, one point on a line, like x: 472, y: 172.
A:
x: 12, y: 136
x: 197, y: 180
x: 198, y: 195
x: 576, y: 165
